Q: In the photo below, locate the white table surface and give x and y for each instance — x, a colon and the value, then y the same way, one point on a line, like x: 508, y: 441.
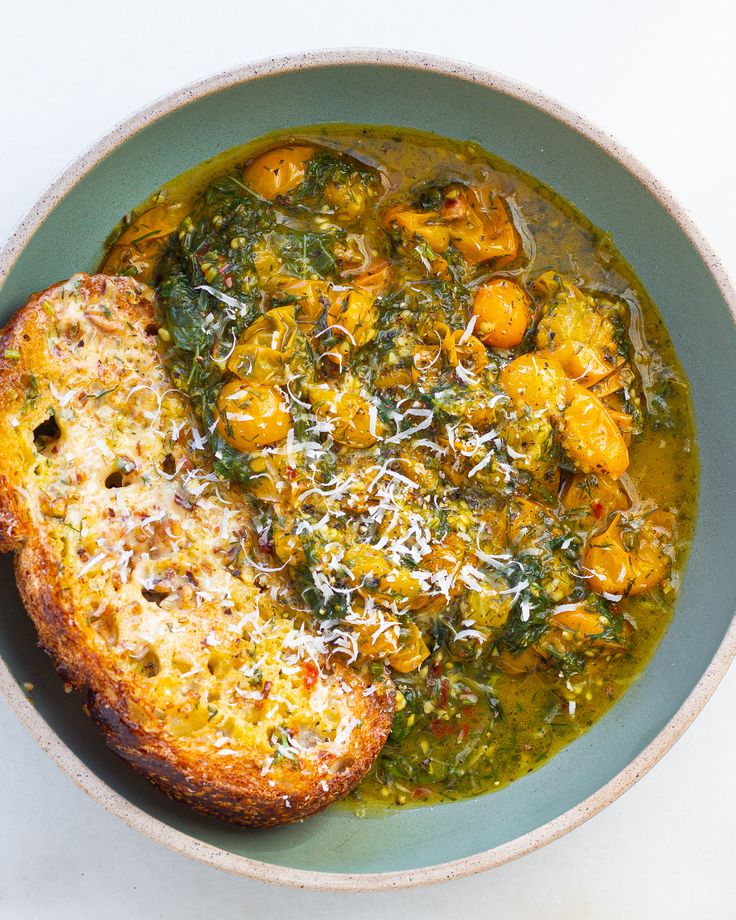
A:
x: 660, y: 76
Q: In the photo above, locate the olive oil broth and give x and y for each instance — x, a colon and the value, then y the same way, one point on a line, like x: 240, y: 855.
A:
x: 464, y: 724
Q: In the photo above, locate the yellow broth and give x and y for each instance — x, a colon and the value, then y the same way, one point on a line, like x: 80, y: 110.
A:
x: 476, y: 713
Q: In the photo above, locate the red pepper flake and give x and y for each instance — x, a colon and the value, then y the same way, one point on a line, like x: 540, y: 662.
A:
x: 597, y: 510
x: 264, y: 694
x: 421, y: 792
x: 228, y: 281
x: 454, y: 207
x: 444, y: 691
x: 183, y: 499
x: 291, y: 472
x: 441, y: 728
x: 264, y: 544
x: 311, y: 672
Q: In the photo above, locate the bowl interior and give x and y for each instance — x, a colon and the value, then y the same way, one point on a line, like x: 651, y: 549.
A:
x: 70, y: 240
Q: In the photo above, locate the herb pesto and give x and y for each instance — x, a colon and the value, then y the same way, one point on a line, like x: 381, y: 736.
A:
x: 465, y: 432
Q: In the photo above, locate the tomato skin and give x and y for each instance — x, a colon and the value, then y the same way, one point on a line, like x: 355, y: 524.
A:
x: 425, y: 224
x: 535, y: 380
x: 580, y: 622
x: 617, y: 570
x: 582, y: 340
x: 411, y: 652
x: 593, y: 498
x: 250, y: 417
x: 474, y: 221
x: 375, y: 279
x: 353, y: 316
x: 349, y: 414
x: 590, y: 435
x: 503, y: 311
x: 278, y: 171
x: 401, y: 645
x: 141, y: 244
x: 483, y: 231
x: 265, y: 347
x: 376, y: 576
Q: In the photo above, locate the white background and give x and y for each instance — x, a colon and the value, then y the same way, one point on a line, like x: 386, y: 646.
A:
x: 659, y: 76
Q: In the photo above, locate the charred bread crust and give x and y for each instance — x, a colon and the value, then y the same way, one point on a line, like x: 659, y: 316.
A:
x: 193, y: 677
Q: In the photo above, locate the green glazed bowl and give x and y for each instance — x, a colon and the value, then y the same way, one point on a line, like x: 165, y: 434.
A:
x: 64, y: 233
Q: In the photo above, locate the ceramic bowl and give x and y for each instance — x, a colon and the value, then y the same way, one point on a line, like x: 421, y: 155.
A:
x: 64, y: 233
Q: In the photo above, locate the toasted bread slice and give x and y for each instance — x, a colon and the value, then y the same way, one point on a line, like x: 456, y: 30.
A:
x: 132, y: 558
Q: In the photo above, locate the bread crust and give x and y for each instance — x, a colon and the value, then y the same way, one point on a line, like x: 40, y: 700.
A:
x: 100, y: 331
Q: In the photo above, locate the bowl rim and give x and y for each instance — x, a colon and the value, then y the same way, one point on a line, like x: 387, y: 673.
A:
x: 182, y: 842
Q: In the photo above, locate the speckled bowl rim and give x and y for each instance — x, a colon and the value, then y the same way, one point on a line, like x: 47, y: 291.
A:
x: 326, y: 881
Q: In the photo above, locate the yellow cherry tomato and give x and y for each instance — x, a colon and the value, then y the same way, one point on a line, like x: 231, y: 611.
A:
x: 250, y: 417
x: 376, y: 576
x: 612, y: 383
x: 488, y: 607
x: 483, y: 229
x: 526, y: 522
x: 353, y: 316
x: 381, y: 636
x: 503, y: 311
x: 632, y: 555
x: 536, y: 381
x: 354, y: 421
x: 580, y: 621
x: 312, y: 298
x: 582, y: 363
x: 590, y: 436
x: 580, y: 337
x: 139, y: 246
x: 526, y: 661
x: 375, y: 279
x: 266, y: 481
x: 447, y: 556
x: 460, y: 348
x: 278, y: 171
x: 399, y: 377
x: 426, y: 224
x: 264, y: 348
x: 593, y: 498
x: 582, y: 624
x: 287, y: 545
x: 426, y: 366
x: 624, y: 421
x: 411, y: 652
x: 348, y: 198
x: 448, y: 342
x: 445, y: 561
x: 377, y: 632
x: 471, y: 354
x: 408, y: 464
